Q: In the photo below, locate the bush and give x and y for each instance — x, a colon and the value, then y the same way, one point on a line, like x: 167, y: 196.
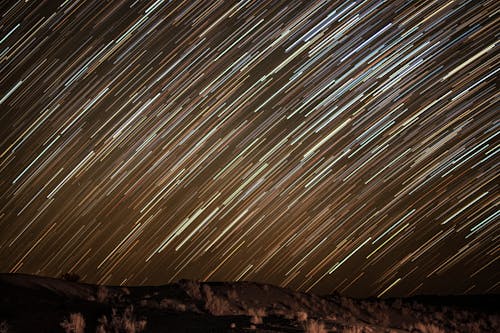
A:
x: 76, y: 323
x: 232, y: 295
x: 474, y: 327
x: 256, y: 316
x: 171, y: 304
x: 354, y: 329
x: 314, y: 326
x: 427, y: 328
x: 102, y: 294
x: 125, y: 323
x: 301, y: 316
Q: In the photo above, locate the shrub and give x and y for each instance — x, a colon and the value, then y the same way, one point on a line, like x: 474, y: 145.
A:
x: 171, y: 304
x: 356, y: 329
x: 256, y: 315
x: 232, y: 295
x: 101, y: 325
x: 301, y: 316
x: 382, y: 318
x: 76, y: 323
x: 102, y: 294
x: 474, y: 327
x: 125, y: 323
x: 314, y: 326
x: 427, y: 328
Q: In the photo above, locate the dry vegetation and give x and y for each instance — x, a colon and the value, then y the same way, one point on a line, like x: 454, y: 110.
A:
x: 75, y: 324
x: 251, y: 306
x: 102, y: 294
x: 314, y: 326
x: 256, y: 315
x: 118, y: 323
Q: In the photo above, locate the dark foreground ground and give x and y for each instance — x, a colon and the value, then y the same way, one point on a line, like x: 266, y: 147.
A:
x: 38, y: 304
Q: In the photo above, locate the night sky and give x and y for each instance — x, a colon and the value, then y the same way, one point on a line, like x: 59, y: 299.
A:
x: 316, y: 145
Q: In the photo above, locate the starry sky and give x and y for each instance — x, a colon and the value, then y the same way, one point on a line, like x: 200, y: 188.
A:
x: 318, y: 145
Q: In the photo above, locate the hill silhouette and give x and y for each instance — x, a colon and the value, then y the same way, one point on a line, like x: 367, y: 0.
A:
x: 32, y: 303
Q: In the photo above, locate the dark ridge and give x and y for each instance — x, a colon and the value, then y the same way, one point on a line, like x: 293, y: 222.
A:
x: 31, y: 303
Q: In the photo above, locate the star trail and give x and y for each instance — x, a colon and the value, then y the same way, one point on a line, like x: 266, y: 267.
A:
x: 316, y: 145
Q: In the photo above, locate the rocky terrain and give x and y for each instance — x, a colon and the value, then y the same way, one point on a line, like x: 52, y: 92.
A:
x: 40, y: 304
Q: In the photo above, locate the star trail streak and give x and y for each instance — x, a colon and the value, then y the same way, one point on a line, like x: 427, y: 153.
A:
x: 317, y: 145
